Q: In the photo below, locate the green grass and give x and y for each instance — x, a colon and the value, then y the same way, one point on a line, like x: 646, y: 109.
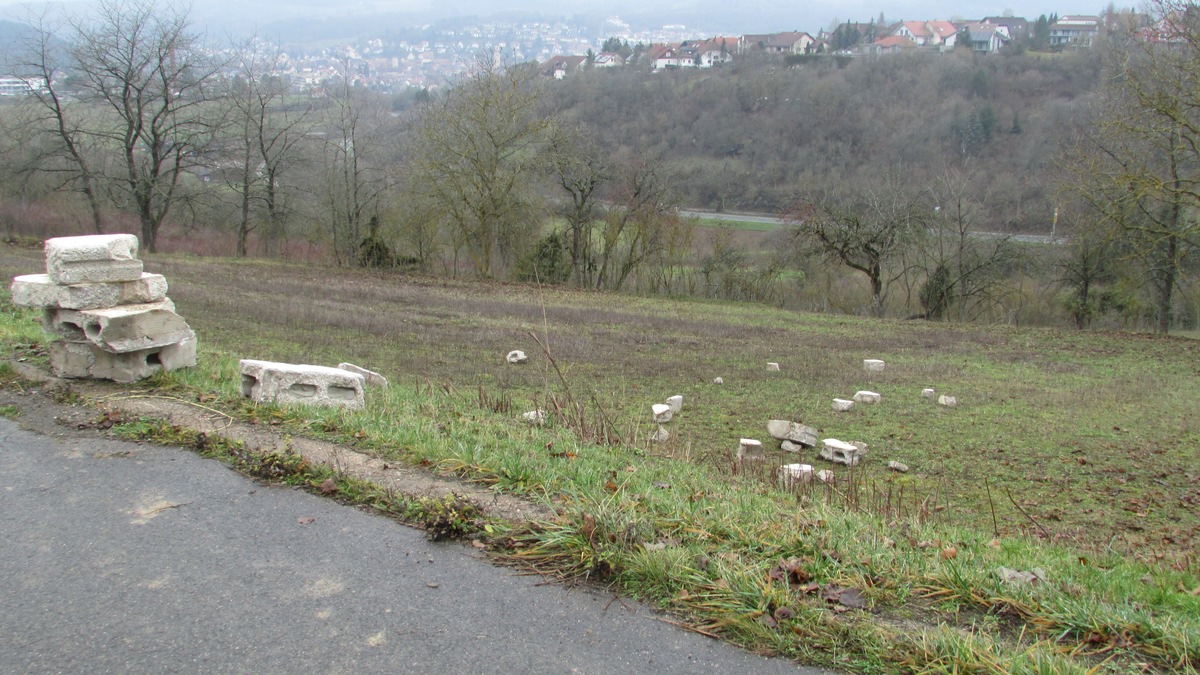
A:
x: 1072, y: 453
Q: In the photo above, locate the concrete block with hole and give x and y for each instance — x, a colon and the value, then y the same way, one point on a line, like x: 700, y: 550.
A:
x: 37, y: 290
x: 84, y: 360
x: 96, y: 258
x: 284, y: 383
x: 127, y: 328
x: 794, y: 432
x: 841, y: 452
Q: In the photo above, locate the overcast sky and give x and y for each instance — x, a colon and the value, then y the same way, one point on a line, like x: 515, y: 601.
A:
x: 744, y: 16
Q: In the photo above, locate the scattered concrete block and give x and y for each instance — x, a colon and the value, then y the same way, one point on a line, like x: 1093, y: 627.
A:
x: 662, y: 413
x: 369, y: 376
x: 676, y: 403
x: 826, y: 476
x: 898, y: 467
x: 795, y: 432
x: 841, y: 452
x: 516, y: 357
x: 872, y: 365
x: 927, y: 393
x: 842, y: 405
x: 660, y: 435
x: 83, y: 360
x: 535, y: 417
x: 792, y: 446
x: 126, y: 328
x: 796, y: 474
x: 948, y: 401
x: 718, y: 380
x: 97, y: 258
x: 37, y: 290
x: 772, y: 367
x: 867, y: 397
x: 751, y: 450
x: 271, y: 382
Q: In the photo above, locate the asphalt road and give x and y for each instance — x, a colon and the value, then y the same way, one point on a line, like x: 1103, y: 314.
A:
x: 126, y: 558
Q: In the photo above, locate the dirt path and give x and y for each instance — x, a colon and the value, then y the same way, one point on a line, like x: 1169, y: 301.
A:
x: 40, y: 412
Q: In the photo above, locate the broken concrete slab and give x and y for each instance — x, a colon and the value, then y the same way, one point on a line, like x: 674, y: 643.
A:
x: 842, y: 405
x: 660, y: 435
x: 867, y: 397
x: 826, y: 476
x: 127, y: 328
x: 792, y: 446
x: 898, y: 467
x: 718, y: 380
x: 369, y: 376
x: 841, y: 452
x: 96, y: 258
x: 38, y: 290
x: 948, y: 401
x: 271, y: 382
x: 795, y: 432
x: 516, y: 357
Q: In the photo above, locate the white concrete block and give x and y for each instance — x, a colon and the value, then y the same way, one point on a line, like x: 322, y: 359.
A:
x: 37, y: 290
x: 772, y: 367
x: 826, y: 476
x: 842, y: 405
x: 676, y: 403
x: 516, y: 357
x: 867, y: 397
x: 536, y: 417
x: 872, y: 365
x: 662, y: 413
x: 718, y: 380
x: 369, y: 376
x: 271, y: 382
x: 927, y: 393
x: 948, y: 401
x: 750, y: 450
x: 660, y: 435
x: 841, y: 452
x: 796, y: 474
x: 83, y: 360
x: 97, y: 258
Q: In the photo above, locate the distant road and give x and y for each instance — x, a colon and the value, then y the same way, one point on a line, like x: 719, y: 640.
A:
x: 773, y: 220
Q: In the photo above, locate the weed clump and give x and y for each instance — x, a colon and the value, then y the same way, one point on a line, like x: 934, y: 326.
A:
x: 450, y: 517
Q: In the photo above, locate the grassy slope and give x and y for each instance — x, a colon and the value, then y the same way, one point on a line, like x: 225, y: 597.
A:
x: 1088, y: 440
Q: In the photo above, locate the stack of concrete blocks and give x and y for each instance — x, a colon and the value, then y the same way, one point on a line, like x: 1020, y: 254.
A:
x: 113, y: 321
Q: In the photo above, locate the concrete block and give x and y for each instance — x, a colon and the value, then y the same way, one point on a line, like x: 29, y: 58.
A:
x: 676, y: 403
x: 83, y: 360
x: 97, y: 258
x: 795, y: 432
x: 872, y: 365
x: 535, y: 417
x: 796, y: 474
x: 718, y: 380
x: 271, y: 382
x: 126, y: 328
x: 792, y: 446
x: 772, y: 367
x: 867, y: 397
x: 662, y: 413
x: 750, y: 450
x: 927, y: 393
x: 841, y: 452
x: 660, y: 436
x: 842, y: 405
x: 37, y: 290
x: 948, y: 401
x: 369, y: 376
x: 516, y: 357
x: 826, y: 476
x: 898, y: 467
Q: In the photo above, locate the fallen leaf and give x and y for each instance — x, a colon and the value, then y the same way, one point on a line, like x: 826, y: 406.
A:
x: 948, y: 553
x: 852, y: 598
x: 611, y: 486
x: 768, y: 621
x: 432, y: 584
x: 478, y: 544
x: 306, y: 521
x: 784, y: 613
x: 330, y: 485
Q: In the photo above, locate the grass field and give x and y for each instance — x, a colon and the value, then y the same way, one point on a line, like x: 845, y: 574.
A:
x: 1077, y: 454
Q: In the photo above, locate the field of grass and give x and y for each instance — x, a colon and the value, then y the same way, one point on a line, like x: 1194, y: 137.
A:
x: 1075, y: 454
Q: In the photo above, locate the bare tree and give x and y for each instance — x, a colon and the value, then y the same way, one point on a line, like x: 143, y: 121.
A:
x: 582, y: 169
x: 140, y: 63
x: 477, y: 153
x: 641, y: 213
